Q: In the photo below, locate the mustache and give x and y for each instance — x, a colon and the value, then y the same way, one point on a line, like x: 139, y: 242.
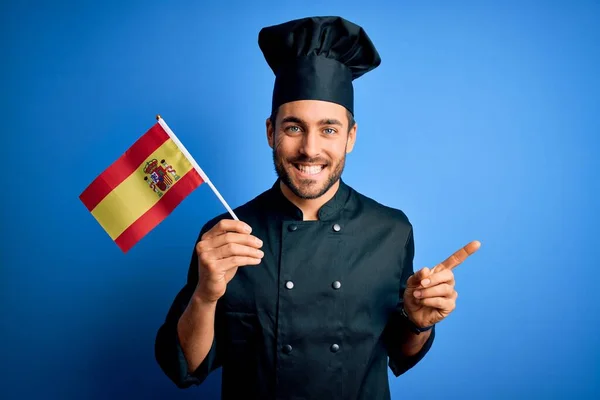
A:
x: 308, y: 160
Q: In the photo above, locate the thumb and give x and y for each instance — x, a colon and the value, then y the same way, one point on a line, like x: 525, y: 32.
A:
x: 416, y: 278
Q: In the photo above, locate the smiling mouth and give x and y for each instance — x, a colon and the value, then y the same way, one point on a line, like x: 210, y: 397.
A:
x: 309, y: 169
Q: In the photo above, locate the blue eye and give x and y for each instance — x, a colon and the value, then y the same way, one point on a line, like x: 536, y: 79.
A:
x: 330, y: 131
x: 293, y: 128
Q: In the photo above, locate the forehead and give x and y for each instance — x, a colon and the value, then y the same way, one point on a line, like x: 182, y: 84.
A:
x: 312, y: 110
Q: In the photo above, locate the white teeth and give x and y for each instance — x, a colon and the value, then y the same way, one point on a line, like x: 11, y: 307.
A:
x: 310, y: 170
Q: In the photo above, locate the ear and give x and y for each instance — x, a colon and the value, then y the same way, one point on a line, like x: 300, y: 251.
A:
x: 270, y: 133
x: 351, y: 138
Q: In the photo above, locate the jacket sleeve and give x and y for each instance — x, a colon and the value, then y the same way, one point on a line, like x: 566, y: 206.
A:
x: 397, y: 327
x: 168, y: 351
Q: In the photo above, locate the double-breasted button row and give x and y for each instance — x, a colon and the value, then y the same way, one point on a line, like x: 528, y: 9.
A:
x: 336, y: 285
x: 334, y: 348
x: 294, y: 227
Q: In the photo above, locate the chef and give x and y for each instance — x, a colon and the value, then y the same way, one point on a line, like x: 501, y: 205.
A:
x: 312, y: 293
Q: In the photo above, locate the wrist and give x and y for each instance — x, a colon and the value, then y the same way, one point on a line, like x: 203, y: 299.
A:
x: 201, y: 299
x: 414, y: 327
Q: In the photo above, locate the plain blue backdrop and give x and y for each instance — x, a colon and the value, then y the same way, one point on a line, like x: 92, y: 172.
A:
x: 482, y: 122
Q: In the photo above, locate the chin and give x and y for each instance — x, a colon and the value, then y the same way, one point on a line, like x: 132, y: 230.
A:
x: 308, y: 194
x: 309, y: 188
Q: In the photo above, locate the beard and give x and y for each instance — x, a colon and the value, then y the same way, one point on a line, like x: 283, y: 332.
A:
x: 307, y: 188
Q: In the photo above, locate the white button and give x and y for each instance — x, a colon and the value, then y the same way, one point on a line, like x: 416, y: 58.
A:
x: 289, y: 284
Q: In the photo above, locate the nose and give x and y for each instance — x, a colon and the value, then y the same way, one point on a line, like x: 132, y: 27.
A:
x: 310, y: 144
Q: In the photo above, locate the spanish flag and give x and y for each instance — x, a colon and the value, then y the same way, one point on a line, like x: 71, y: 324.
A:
x: 140, y: 189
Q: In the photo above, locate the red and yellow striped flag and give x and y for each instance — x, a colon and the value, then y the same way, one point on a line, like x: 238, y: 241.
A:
x: 139, y: 190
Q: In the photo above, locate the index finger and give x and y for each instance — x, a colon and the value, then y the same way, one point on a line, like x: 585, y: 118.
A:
x: 227, y: 225
x: 459, y: 256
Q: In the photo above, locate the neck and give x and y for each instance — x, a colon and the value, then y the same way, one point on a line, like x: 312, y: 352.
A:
x: 310, y: 207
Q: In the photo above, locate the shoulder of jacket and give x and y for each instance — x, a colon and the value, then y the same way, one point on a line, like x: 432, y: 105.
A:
x: 379, y: 209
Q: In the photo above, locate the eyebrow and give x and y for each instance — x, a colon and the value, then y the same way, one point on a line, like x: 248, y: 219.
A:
x: 327, y: 121
x: 330, y: 122
x: 293, y: 119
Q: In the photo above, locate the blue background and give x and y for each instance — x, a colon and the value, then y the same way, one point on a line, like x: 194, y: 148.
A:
x: 481, y: 123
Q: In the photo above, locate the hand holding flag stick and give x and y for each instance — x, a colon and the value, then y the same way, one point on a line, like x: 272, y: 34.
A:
x: 141, y: 188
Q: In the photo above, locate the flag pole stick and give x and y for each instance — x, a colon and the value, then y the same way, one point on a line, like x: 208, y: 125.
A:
x: 195, y: 164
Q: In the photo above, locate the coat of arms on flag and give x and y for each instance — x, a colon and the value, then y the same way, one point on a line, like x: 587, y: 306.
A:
x: 160, y: 176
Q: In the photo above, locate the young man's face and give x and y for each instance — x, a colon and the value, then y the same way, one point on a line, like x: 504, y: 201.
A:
x: 310, y: 141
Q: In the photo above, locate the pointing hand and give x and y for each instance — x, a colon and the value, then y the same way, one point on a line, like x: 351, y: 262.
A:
x: 430, y: 295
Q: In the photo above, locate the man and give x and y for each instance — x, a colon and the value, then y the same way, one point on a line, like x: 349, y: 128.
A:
x: 312, y: 294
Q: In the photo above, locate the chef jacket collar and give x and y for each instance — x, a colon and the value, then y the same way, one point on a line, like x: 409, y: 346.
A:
x: 327, y: 212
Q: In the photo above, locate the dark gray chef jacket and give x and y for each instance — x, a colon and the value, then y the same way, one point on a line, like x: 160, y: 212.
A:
x: 319, y: 318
